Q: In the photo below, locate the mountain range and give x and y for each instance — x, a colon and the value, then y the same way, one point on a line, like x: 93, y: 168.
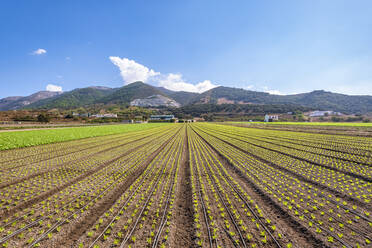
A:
x: 144, y: 95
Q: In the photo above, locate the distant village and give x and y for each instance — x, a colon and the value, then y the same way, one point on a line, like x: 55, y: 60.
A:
x: 137, y: 119
x: 171, y: 118
x: 308, y: 116
x: 52, y: 116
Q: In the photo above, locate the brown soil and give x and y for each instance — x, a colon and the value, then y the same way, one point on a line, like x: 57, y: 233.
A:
x: 184, y: 230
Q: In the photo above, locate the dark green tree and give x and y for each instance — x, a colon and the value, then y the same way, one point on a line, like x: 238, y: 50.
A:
x: 43, y: 118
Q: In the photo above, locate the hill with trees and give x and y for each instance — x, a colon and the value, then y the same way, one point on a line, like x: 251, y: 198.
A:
x: 73, y: 99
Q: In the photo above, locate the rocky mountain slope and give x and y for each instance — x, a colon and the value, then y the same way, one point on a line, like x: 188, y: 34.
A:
x: 155, y: 101
x: 17, y: 102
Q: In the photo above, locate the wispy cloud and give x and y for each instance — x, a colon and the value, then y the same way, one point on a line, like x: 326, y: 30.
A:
x: 352, y: 77
x: 248, y: 87
x: 132, y: 71
x: 263, y: 89
x: 53, y: 88
x: 271, y: 91
x: 39, y: 51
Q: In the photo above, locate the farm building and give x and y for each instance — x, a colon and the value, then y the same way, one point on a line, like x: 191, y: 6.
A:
x: 271, y: 118
x: 161, y: 117
x: 105, y: 115
x: 81, y: 114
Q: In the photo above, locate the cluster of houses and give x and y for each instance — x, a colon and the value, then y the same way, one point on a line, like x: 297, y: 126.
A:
x: 162, y: 117
x: 89, y: 115
x: 316, y: 113
x: 172, y: 118
x: 136, y: 119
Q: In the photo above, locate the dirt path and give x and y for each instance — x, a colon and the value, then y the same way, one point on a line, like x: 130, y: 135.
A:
x: 184, y: 231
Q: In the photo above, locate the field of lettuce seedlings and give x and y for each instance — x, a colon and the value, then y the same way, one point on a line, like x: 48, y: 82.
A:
x: 189, y: 185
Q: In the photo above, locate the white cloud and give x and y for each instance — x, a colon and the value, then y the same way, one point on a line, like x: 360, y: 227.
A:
x: 175, y: 82
x: 53, y: 88
x: 68, y: 58
x: 39, y: 51
x: 132, y: 71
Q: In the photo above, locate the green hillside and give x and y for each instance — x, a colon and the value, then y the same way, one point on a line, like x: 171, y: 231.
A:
x: 319, y: 99
x: 73, y: 99
x: 128, y: 93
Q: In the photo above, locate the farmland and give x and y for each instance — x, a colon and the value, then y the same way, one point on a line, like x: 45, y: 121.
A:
x: 345, y: 124
x: 350, y: 129
x: 11, y: 139
x: 186, y: 185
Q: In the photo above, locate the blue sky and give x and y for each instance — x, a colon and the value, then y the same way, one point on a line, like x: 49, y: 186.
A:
x: 275, y: 46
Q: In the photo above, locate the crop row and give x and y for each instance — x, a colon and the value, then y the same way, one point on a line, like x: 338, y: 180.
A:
x: 334, y: 220
x: 51, y: 173
x: 341, y: 161
x: 335, y: 180
x: 141, y: 217
x: 225, y: 214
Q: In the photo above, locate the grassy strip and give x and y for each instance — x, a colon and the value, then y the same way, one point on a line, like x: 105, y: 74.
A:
x: 10, y: 140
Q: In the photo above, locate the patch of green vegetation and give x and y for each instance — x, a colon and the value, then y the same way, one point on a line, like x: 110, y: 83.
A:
x: 10, y: 140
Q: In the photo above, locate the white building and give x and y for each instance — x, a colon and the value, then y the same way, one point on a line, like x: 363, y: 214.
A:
x: 161, y: 117
x: 271, y: 118
x: 105, y: 116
